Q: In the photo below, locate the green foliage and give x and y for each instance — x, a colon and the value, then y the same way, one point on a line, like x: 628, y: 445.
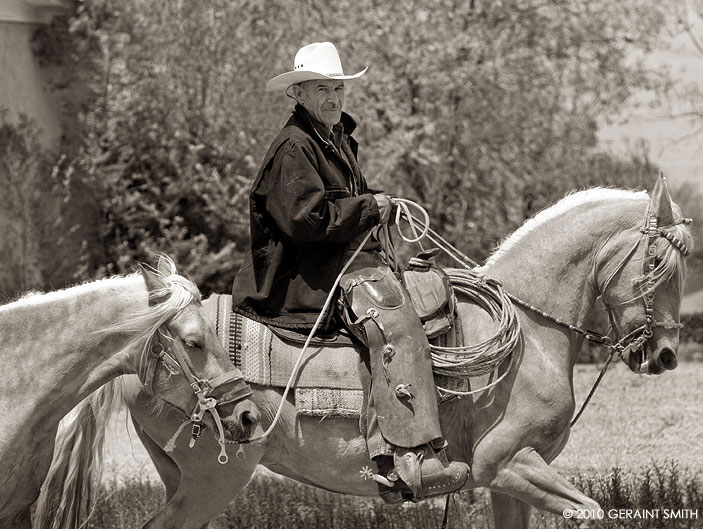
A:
x: 126, y: 505
x: 692, y: 328
x: 484, y: 112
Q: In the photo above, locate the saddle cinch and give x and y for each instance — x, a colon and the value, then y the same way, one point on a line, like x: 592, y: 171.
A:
x: 328, y: 383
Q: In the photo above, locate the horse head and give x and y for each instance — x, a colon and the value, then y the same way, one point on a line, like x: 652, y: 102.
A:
x: 641, y: 284
x: 185, y: 363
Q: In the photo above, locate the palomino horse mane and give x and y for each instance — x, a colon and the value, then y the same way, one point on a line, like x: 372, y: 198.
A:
x: 34, y: 298
x: 174, y: 295
x: 564, y: 205
x: 671, y: 261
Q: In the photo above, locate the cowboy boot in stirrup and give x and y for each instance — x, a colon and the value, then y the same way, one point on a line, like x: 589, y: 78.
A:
x: 426, y: 475
x: 419, y: 473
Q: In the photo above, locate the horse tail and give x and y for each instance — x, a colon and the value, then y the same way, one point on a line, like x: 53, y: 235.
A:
x: 71, y: 488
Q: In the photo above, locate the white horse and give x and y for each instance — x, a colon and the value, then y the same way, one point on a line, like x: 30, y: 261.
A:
x: 589, y: 245
x: 57, y: 348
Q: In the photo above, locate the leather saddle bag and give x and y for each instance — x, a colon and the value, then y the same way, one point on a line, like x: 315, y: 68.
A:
x: 431, y: 293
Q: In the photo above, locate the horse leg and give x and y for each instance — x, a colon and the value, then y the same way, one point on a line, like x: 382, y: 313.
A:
x: 508, y: 512
x: 165, y: 466
x: 204, y: 491
x: 528, y: 477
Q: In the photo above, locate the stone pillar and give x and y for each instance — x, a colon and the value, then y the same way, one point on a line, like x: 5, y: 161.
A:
x: 25, y: 90
x: 24, y: 87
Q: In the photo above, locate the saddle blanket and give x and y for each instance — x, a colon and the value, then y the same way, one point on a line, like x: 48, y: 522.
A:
x: 327, y: 383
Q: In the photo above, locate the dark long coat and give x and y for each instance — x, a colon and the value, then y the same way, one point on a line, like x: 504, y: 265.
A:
x: 308, y: 203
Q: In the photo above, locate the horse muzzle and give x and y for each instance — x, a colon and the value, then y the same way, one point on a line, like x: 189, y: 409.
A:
x: 242, y: 421
x: 664, y: 359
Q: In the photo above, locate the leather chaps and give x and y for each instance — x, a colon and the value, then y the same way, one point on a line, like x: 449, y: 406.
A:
x: 378, y: 310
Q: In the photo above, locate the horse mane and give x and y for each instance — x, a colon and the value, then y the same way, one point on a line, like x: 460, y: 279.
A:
x: 671, y: 265
x: 569, y: 202
x: 177, y: 293
x: 33, y: 298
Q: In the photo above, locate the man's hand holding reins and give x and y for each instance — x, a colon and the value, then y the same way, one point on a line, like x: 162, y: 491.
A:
x: 385, y: 206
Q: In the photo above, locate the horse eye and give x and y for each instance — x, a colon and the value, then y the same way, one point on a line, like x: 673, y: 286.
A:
x: 191, y: 344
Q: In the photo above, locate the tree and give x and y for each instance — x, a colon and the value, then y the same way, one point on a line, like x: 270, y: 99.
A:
x: 484, y: 112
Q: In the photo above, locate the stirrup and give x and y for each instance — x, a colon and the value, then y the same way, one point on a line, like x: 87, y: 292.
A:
x: 427, y: 475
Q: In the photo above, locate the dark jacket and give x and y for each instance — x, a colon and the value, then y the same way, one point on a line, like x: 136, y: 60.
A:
x: 308, y: 202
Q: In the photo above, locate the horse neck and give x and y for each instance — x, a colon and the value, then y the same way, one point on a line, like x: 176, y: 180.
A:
x: 551, y: 266
x: 52, y: 344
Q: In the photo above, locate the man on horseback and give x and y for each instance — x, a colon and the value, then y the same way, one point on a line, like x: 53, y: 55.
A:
x: 310, y: 209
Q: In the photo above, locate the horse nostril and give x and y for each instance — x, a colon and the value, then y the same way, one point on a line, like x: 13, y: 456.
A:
x: 668, y: 359
x: 248, y: 419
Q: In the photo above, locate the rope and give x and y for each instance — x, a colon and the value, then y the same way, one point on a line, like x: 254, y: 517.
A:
x: 594, y: 387
x: 461, y: 361
x: 484, y: 357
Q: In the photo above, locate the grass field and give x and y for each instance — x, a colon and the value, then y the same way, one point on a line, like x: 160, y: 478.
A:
x: 639, y: 445
x: 633, y: 420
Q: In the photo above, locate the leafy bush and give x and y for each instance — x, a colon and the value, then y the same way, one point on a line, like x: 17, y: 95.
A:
x: 484, y: 128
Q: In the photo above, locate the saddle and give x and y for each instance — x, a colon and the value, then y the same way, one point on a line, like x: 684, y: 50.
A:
x: 431, y: 296
x: 329, y: 380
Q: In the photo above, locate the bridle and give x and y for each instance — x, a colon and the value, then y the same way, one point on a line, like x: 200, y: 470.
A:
x: 223, y: 389
x: 636, y: 340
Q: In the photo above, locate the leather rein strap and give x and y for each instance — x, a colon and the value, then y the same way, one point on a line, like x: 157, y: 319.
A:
x: 175, y: 360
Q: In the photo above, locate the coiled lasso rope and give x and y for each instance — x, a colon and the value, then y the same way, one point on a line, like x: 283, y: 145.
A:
x: 485, y: 357
x: 473, y: 360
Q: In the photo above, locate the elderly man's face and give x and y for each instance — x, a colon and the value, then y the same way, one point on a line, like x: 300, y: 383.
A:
x: 323, y: 99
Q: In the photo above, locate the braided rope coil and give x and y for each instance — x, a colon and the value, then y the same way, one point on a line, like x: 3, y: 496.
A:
x: 484, y: 357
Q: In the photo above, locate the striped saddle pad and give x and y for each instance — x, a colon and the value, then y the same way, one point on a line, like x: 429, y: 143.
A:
x: 327, y: 383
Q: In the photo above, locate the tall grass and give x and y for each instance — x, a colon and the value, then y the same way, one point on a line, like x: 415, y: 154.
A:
x: 272, y: 502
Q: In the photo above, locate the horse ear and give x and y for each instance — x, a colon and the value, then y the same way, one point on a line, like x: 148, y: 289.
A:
x: 661, y: 203
x: 154, y: 285
x: 165, y: 266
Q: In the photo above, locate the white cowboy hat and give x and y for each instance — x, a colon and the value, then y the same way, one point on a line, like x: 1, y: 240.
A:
x: 319, y: 60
